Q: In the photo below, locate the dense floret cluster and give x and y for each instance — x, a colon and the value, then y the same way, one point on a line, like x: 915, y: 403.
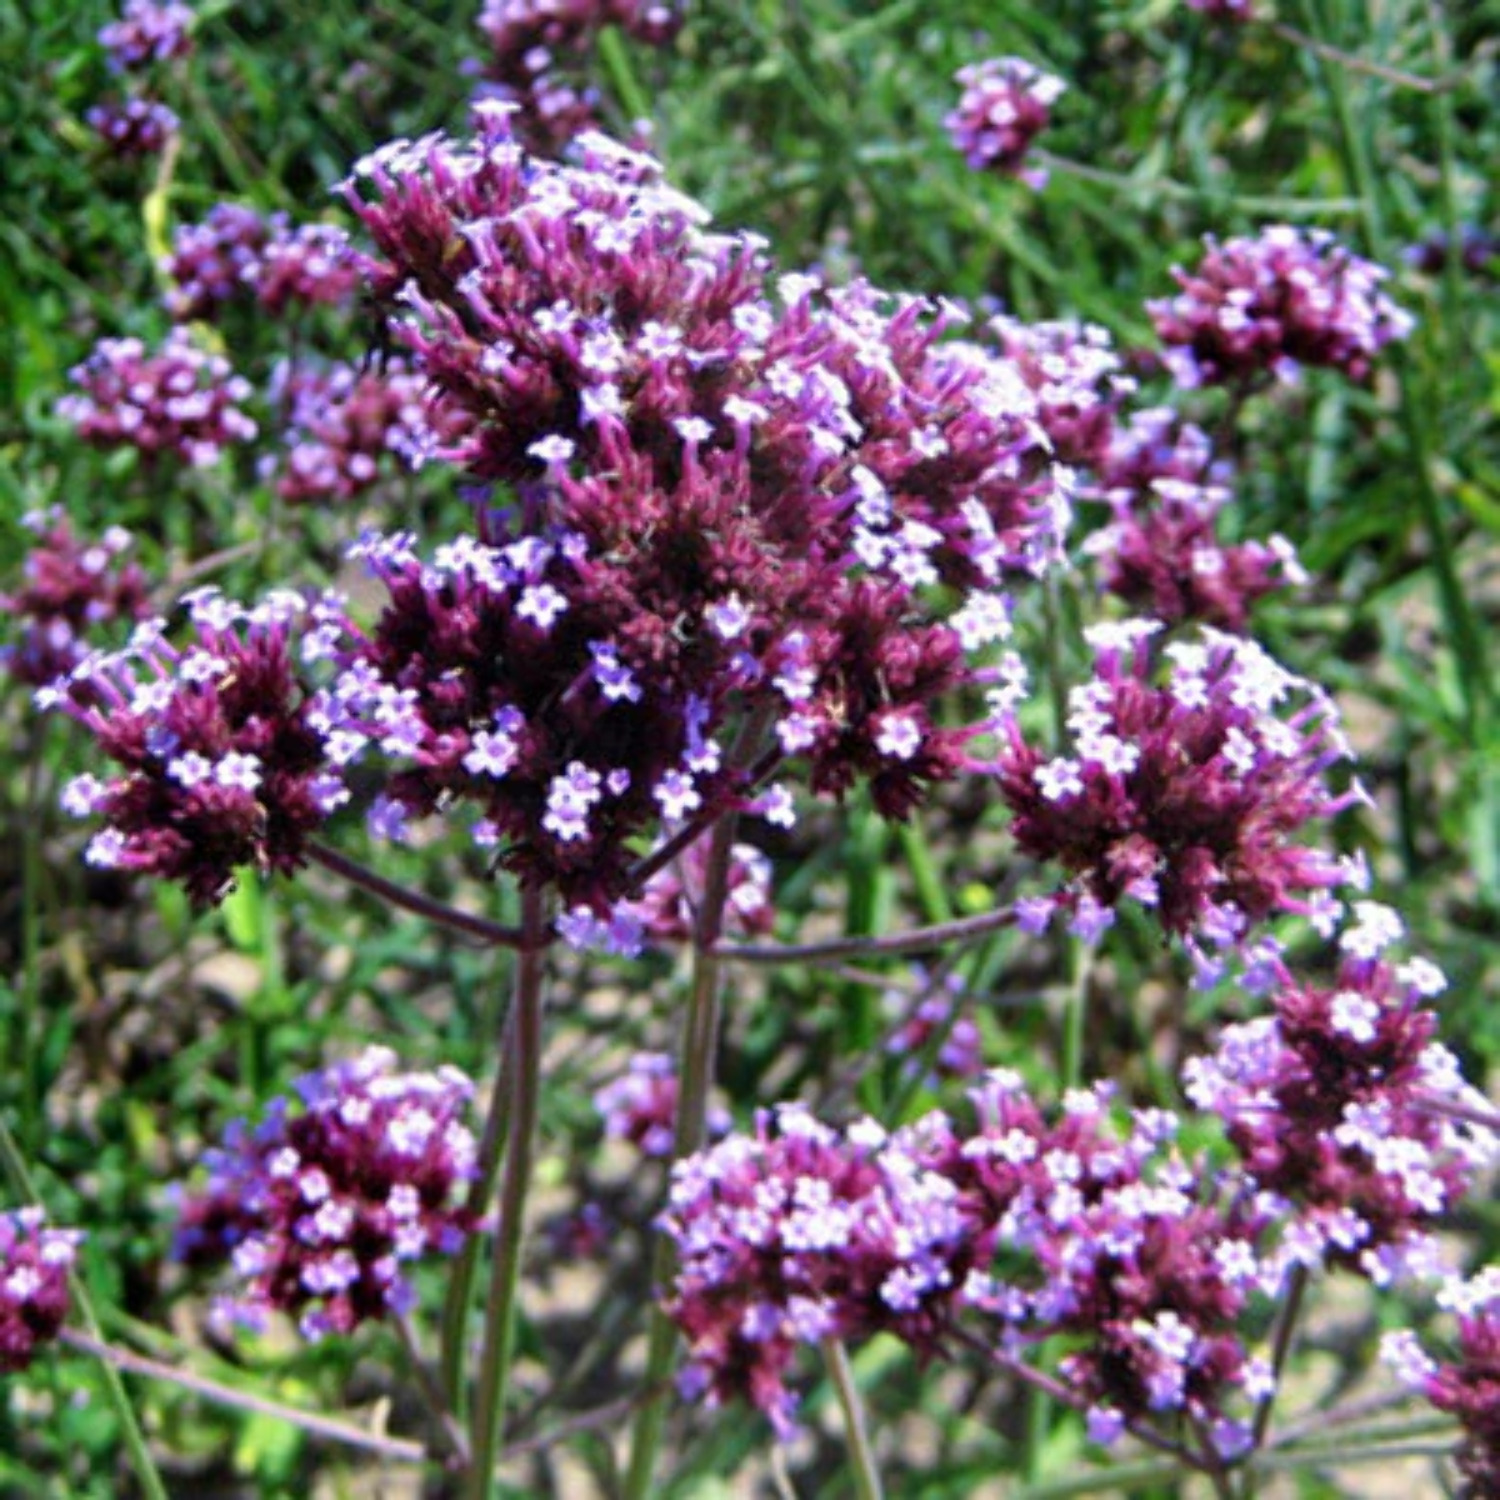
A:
x: 132, y: 128
x: 343, y: 428
x: 1467, y: 1385
x: 176, y: 400
x: 148, y: 33
x: 1329, y: 1101
x: 1270, y: 305
x: 224, y: 746
x: 34, y: 1266
x: 539, y: 56
x: 1185, y: 797
x: 71, y: 589
x: 640, y: 1106
x: 1006, y: 103
x: 320, y: 1207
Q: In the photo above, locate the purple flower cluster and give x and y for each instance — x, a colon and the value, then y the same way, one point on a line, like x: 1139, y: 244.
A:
x: 132, y: 127
x: 70, y: 589
x: 540, y: 49
x: 235, y: 252
x: 224, y: 747
x: 727, y: 505
x: 932, y: 1017
x: 34, y: 1266
x: 177, y: 400
x: 665, y: 907
x: 1074, y: 373
x: 1185, y: 797
x: 1466, y: 1386
x: 1329, y: 1101
x: 148, y: 33
x: 1162, y: 555
x: 640, y: 1106
x: 318, y: 1209
x: 1272, y: 304
x: 1006, y: 103
x: 342, y: 424
x: 1224, y: 10
x: 1478, y: 253
x: 801, y: 1233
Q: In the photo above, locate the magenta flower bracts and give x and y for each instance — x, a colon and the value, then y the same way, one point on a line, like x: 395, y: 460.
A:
x: 223, y: 747
x: 148, y: 33
x: 1006, y: 103
x: 1270, y: 305
x: 539, y: 56
x: 320, y: 1208
x: 177, y: 401
x: 70, y: 589
x: 34, y: 1266
x: 1185, y: 797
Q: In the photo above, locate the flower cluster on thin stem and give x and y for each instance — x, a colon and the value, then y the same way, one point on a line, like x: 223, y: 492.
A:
x: 35, y: 1261
x: 1006, y: 103
x: 320, y: 1207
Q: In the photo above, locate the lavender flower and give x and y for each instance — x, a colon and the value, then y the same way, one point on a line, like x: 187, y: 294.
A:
x: 1329, y: 1101
x: 1224, y: 10
x: 343, y: 425
x: 320, y: 1207
x: 211, y: 261
x: 1467, y: 1385
x: 1269, y: 305
x: 70, y: 589
x: 1006, y: 103
x: 225, y: 752
x: 177, y: 400
x: 147, y: 33
x: 34, y: 1266
x: 665, y: 907
x: 133, y: 127
x: 640, y: 1106
x: 1184, y: 797
x: 539, y: 50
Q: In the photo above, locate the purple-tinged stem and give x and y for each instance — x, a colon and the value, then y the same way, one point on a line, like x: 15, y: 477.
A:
x: 1435, y: 1104
x: 1281, y: 1347
x: 431, y: 1389
x: 837, y: 950
x: 505, y: 1273
x: 492, y: 934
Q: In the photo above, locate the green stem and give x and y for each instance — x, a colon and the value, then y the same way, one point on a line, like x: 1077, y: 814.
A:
x: 498, y: 1349
x: 699, y: 1040
x: 856, y: 1432
x: 431, y: 1390
x: 29, y: 1082
x: 119, y: 1399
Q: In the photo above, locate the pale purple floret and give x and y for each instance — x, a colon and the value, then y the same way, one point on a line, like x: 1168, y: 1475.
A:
x: 1006, y: 103
x: 319, y: 1209
x: 35, y: 1262
x: 1272, y: 304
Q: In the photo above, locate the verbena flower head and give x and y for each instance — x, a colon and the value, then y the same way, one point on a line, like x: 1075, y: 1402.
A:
x: 223, y: 746
x: 640, y: 1106
x: 319, y: 1209
x: 71, y: 590
x: 1330, y: 1102
x: 1076, y: 376
x: 1467, y: 1385
x: 147, y: 33
x: 1478, y: 253
x: 666, y: 906
x: 344, y: 429
x: 132, y: 127
x: 795, y: 1235
x: 34, y: 1266
x: 539, y: 52
x: 1272, y: 304
x: 305, y: 265
x: 1162, y: 555
x: 730, y: 497
x: 211, y: 260
x: 1225, y: 10
x: 177, y: 400
x: 1186, y: 797
x: 1006, y: 103
x: 933, y: 1017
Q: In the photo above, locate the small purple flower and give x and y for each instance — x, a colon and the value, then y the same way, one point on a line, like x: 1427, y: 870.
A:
x: 177, y: 400
x: 147, y: 33
x: 1184, y: 797
x: 640, y: 1106
x: 1006, y: 103
x: 1270, y: 305
x: 34, y: 1266
x: 319, y: 1208
x: 70, y: 590
x: 133, y: 127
